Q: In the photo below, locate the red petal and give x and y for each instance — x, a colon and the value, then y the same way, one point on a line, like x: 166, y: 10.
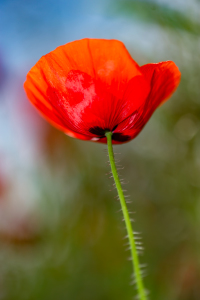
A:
x: 41, y: 96
x: 135, y: 95
x: 164, y: 78
x: 105, y: 60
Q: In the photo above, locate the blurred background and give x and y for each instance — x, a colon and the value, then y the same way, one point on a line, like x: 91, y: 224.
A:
x: 61, y: 232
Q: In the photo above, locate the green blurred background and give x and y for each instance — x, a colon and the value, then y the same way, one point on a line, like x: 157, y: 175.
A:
x: 61, y: 231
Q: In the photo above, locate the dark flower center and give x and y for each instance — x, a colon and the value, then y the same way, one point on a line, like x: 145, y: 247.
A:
x: 100, y: 133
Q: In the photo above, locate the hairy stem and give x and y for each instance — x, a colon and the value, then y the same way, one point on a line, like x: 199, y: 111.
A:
x: 134, y: 254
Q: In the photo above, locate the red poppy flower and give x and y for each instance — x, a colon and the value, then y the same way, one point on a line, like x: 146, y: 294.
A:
x: 91, y: 86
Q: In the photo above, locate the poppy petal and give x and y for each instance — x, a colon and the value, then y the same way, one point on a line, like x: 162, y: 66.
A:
x: 89, y: 104
x: 164, y: 78
x: 105, y: 60
x: 44, y: 99
x: 135, y: 95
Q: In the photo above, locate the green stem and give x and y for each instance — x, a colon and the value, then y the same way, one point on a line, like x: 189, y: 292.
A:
x: 135, y: 259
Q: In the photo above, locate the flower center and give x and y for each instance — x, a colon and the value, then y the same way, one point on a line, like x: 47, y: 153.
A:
x: 116, y: 136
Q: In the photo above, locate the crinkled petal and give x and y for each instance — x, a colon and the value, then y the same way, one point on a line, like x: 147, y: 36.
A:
x: 164, y: 78
x: 104, y: 60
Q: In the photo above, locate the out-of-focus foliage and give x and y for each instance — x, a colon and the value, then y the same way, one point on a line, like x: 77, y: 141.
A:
x: 68, y: 241
x: 160, y: 14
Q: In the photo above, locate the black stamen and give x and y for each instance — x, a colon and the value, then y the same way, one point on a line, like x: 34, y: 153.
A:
x: 100, y: 132
x: 119, y: 137
x: 114, y: 127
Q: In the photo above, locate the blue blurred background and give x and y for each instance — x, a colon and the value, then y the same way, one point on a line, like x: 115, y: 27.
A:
x: 61, y: 235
